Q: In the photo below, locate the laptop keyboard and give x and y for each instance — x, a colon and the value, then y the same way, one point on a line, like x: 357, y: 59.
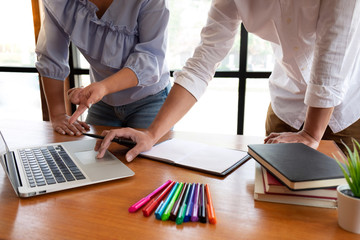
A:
x: 49, y: 165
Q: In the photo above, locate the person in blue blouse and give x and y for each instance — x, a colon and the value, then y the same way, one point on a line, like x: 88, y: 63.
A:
x: 124, y: 42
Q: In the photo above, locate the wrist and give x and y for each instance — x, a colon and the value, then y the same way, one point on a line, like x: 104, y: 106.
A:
x: 312, y: 136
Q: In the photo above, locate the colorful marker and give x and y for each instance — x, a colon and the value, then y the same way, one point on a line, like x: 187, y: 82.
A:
x: 161, y: 209
x: 146, y: 199
x: 202, y: 207
x: 181, y: 215
x: 154, y: 203
x: 166, y: 214
x: 194, y: 214
x: 190, y: 204
x: 175, y: 210
x: 209, y: 206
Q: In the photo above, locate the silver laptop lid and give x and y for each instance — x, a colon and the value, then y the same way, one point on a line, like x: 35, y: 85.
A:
x: 9, y: 164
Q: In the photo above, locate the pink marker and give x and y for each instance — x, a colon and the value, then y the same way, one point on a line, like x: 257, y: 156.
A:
x: 146, y: 199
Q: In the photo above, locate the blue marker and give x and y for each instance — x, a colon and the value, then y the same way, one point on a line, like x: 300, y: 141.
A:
x: 161, y: 209
x: 190, y: 204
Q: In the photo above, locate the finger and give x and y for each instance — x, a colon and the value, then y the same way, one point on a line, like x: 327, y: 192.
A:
x: 78, y: 128
x: 133, y: 153
x: 103, y: 147
x: 70, y: 93
x: 99, y: 142
x: 74, y: 95
x: 97, y: 145
x: 271, y: 135
x: 84, y: 125
x: 60, y: 130
x: 77, y: 113
x: 68, y: 131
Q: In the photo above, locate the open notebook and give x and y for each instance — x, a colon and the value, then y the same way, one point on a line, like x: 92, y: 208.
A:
x: 197, y: 156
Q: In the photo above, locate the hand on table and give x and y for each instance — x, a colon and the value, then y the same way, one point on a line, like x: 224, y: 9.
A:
x: 61, y: 125
x: 144, y: 141
x: 292, y: 137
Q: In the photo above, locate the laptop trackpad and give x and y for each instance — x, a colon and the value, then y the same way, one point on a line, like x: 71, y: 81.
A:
x: 103, y: 169
x: 89, y: 157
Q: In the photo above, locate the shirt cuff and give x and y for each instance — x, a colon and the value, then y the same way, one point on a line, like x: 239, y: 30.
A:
x: 191, y: 83
x: 323, y: 96
x: 146, y: 68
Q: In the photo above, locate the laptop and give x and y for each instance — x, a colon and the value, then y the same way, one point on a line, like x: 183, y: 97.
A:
x: 54, y: 167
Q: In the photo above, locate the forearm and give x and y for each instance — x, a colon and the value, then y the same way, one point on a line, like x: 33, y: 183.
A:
x: 316, y: 121
x: 123, y: 79
x: 54, y: 93
x: 177, y: 104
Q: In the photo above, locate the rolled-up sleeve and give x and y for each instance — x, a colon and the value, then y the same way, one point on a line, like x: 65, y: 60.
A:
x: 147, y: 59
x: 334, y: 35
x: 217, y: 39
x: 52, y: 49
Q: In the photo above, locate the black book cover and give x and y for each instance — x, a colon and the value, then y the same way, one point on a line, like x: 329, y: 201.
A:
x: 297, y: 165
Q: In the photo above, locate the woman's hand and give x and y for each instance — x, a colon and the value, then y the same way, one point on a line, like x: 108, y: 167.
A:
x: 85, y: 97
x: 61, y: 125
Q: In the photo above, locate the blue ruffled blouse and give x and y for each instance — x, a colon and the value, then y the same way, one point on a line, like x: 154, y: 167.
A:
x: 131, y: 33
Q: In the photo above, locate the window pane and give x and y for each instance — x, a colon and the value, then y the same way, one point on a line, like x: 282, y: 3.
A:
x: 260, y: 55
x: 82, y: 81
x: 216, y: 111
x: 257, y: 101
x: 17, y: 42
x: 187, y: 17
x: 78, y: 59
x: 20, y: 96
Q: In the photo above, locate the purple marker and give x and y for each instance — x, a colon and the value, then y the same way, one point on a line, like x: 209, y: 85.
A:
x: 194, y: 215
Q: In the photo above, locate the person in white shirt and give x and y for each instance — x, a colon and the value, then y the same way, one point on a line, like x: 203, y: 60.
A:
x: 315, y: 81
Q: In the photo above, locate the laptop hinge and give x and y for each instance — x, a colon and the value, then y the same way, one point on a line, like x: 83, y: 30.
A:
x: 12, y: 170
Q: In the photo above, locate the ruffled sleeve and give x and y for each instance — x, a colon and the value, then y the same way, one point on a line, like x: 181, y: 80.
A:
x: 52, y: 50
x: 148, y: 57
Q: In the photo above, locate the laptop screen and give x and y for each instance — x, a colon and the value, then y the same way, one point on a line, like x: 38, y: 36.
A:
x: 7, y: 161
x: 3, y: 148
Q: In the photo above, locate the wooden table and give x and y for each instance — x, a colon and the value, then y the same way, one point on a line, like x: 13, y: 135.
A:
x: 101, y: 211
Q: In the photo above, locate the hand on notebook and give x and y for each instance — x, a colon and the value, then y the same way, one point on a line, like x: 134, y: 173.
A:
x: 144, y: 141
x: 292, y: 137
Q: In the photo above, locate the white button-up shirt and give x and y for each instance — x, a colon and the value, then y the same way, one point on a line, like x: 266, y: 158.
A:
x: 316, y: 47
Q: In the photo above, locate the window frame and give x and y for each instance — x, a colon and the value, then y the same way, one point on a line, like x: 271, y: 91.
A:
x: 242, y: 74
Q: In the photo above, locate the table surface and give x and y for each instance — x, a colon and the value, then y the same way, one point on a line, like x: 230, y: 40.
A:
x: 101, y: 211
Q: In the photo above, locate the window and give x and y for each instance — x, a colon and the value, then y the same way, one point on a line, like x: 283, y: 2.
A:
x: 19, y: 83
x: 236, y: 100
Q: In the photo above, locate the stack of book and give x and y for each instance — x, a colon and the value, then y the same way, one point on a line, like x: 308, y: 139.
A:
x: 269, y: 189
x: 295, y: 174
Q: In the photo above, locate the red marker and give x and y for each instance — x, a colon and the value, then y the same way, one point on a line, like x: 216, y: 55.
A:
x: 154, y: 203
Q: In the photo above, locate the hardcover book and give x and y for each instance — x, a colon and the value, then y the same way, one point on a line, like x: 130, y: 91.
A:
x: 261, y: 195
x: 298, y: 166
x: 274, y: 186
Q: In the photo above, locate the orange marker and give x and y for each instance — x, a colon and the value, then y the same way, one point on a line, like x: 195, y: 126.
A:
x: 209, y: 206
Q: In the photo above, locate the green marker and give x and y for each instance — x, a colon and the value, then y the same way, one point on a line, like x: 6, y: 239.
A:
x: 167, y: 212
x: 181, y: 215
